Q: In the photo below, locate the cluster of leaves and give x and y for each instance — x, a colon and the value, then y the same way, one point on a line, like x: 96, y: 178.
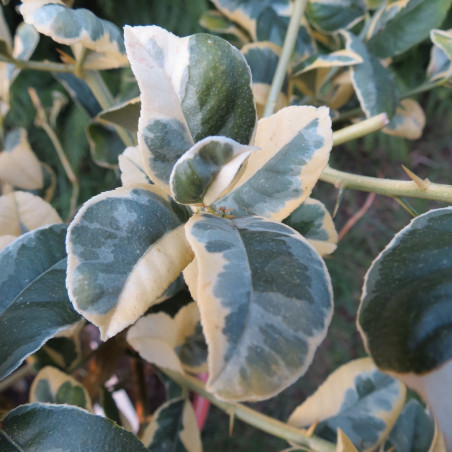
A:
x: 216, y: 200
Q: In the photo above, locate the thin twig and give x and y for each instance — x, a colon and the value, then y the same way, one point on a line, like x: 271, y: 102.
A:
x: 357, y: 216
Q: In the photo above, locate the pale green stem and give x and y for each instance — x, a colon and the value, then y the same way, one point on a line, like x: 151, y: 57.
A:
x: 39, y: 65
x: 360, y: 129
x: 253, y: 417
x: 43, y: 122
x: 387, y: 187
x: 288, y: 46
x: 16, y: 376
x: 101, y: 92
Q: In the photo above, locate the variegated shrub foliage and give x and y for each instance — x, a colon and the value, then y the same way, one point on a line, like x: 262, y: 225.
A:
x: 208, y: 259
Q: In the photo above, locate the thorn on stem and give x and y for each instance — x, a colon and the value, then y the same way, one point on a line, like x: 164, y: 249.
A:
x: 422, y: 184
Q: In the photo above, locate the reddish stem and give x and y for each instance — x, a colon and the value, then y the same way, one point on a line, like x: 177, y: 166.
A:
x: 200, y: 404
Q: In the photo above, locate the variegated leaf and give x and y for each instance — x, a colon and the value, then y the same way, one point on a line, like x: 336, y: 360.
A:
x: 216, y: 22
x: 132, y: 168
x: 405, y: 312
x: 263, y: 58
x: 125, y: 115
x: 21, y: 212
x: 19, y: 165
x: 77, y: 26
x: 104, y: 144
x: 333, y: 15
x: 405, y: 24
x: 125, y: 247
x: 408, y: 121
x: 33, y: 427
x: 173, y: 427
x: 443, y: 39
x: 53, y: 386
x: 177, y: 77
x: 295, y: 145
x: 33, y: 294
x: 413, y: 431
x: 357, y: 398
x: 373, y: 84
x: 329, y: 60
x: 440, y: 65
x: 313, y: 221
x: 174, y: 343
x: 207, y: 170
x: 246, y: 12
x: 262, y: 326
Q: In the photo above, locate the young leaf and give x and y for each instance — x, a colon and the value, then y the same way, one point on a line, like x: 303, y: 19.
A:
x: 131, y: 167
x: 34, y: 305
x: 373, y: 84
x: 246, y: 12
x: 357, y: 398
x: 177, y: 78
x: 408, y: 121
x: 173, y: 427
x: 413, y: 431
x: 53, y: 386
x: 207, y: 170
x: 410, y: 25
x: 125, y: 247
x: 333, y: 15
x: 262, y: 326
x: 405, y: 312
x: 21, y: 212
x: 174, y: 343
x: 19, y: 165
x: 314, y: 223
x: 125, y: 115
x: 295, y: 146
x: 77, y: 26
x: 39, y: 426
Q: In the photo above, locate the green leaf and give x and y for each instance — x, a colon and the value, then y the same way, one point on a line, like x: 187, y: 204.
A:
x: 333, y: 15
x: 38, y: 426
x: 125, y: 247
x: 246, y: 12
x: 405, y: 313
x: 125, y: 115
x: 295, y: 146
x: 177, y: 77
x: 409, y: 24
x: 173, y: 343
x: 53, y: 386
x: 413, y: 431
x: 207, y: 170
x: 104, y: 144
x: 373, y: 84
x: 358, y: 399
x: 34, y: 305
x: 408, y: 121
x: 19, y: 165
x: 173, y: 428
x: 313, y: 221
x: 262, y: 326
x: 77, y: 26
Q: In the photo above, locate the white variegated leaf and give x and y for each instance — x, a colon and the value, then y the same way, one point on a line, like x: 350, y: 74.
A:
x: 408, y: 121
x: 262, y: 326
x: 132, y: 168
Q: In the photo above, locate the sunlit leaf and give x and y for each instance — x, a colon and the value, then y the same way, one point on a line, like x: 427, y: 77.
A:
x: 262, y: 326
x: 177, y: 77
x: 174, y: 343
x: 53, y: 386
x: 173, y: 427
x: 294, y: 144
x: 132, y: 168
x: 39, y: 426
x: 357, y: 398
x: 125, y: 247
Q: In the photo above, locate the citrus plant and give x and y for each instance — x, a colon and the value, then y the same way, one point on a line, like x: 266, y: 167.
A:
x: 209, y: 256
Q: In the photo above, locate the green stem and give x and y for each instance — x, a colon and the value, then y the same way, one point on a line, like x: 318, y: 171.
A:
x: 288, y: 46
x: 39, y: 65
x: 101, y: 92
x: 253, y: 417
x: 360, y: 129
x: 387, y: 187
